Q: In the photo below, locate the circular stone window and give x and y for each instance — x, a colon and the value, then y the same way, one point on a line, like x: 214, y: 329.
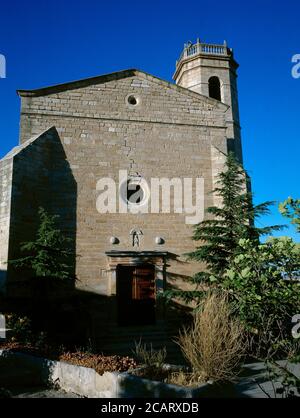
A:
x: 134, y: 192
x: 132, y: 100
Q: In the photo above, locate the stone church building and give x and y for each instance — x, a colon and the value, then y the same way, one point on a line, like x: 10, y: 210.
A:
x: 74, y: 134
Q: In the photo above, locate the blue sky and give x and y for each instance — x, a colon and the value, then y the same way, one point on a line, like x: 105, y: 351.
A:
x: 53, y: 42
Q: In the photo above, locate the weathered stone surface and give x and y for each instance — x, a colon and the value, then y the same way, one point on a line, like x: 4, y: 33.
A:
x: 22, y: 370
x: 171, y: 132
x: 107, y: 385
x: 6, y: 170
x: 87, y: 383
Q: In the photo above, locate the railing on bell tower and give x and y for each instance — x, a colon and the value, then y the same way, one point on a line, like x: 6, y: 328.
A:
x: 191, y: 49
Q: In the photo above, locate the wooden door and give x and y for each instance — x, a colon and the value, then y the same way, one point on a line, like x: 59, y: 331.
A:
x: 136, y: 295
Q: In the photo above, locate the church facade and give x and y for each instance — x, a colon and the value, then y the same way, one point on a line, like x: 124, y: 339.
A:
x: 129, y: 128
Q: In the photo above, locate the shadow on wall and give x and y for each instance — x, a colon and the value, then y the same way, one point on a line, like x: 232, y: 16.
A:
x: 42, y: 177
x: 77, y: 319
x: 2, y: 281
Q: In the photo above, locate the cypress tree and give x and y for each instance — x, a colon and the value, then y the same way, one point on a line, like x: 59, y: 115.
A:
x: 220, y: 233
x: 49, y: 254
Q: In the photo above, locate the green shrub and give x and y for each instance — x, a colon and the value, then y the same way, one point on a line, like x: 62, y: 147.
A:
x: 19, y: 329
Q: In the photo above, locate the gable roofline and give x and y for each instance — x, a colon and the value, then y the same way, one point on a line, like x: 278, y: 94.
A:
x: 17, y: 149
x: 73, y: 85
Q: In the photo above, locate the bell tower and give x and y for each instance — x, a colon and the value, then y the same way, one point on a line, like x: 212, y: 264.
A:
x: 211, y: 70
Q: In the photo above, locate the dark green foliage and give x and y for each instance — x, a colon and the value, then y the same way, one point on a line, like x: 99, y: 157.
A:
x: 290, y: 208
x: 261, y: 283
x: 285, y: 383
x: 220, y: 233
x: 49, y: 254
x: 19, y: 329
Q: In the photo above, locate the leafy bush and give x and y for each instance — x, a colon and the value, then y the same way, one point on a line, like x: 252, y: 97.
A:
x: 290, y: 208
x: 219, y: 234
x: 284, y: 382
x: 21, y: 337
x: 262, y: 289
x: 19, y: 329
x: 214, y: 345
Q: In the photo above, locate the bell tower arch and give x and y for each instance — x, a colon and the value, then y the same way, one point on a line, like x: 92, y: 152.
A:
x: 211, y: 70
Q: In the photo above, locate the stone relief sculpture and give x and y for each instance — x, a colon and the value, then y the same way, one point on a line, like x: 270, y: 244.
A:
x: 136, y: 237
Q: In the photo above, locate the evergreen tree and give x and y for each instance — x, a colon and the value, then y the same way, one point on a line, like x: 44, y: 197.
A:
x: 220, y: 234
x: 290, y: 208
x: 49, y: 254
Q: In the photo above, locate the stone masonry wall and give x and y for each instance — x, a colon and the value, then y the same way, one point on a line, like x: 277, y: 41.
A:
x: 31, y: 181
x: 6, y: 169
x: 170, y: 133
x: 194, y: 73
